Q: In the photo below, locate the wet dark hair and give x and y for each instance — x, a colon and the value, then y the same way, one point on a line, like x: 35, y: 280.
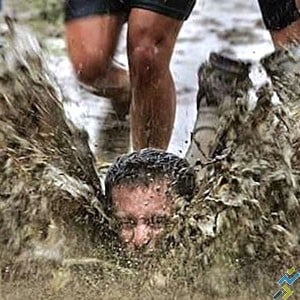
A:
x: 148, y: 165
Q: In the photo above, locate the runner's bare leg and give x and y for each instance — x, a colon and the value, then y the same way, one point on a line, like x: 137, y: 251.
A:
x: 151, y: 39
x: 92, y: 43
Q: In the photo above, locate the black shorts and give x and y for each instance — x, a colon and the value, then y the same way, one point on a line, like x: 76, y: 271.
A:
x: 177, y: 9
x: 278, y: 14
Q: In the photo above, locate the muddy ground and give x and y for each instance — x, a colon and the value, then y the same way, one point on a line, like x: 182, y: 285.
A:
x: 233, y: 27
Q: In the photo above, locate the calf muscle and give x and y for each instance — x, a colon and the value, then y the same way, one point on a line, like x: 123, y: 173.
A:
x: 150, y: 47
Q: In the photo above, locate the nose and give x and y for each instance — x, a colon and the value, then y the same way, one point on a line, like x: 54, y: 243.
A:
x: 142, y: 236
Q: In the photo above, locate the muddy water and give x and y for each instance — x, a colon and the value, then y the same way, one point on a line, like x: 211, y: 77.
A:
x: 200, y: 35
x: 232, y: 26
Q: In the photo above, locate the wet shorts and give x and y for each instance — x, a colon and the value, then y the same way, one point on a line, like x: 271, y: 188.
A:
x: 177, y: 9
x: 278, y: 14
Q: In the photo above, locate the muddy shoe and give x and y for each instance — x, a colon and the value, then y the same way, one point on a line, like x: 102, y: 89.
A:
x: 121, y: 105
x: 121, y: 108
x: 113, y: 139
x: 283, y: 66
x: 218, y: 76
x: 221, y: 81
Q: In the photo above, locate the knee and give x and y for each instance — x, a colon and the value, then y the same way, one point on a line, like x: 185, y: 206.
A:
x: 144, y: 62
x: 89, y: 66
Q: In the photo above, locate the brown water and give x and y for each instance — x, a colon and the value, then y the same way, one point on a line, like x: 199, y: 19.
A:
x: 233, y: 26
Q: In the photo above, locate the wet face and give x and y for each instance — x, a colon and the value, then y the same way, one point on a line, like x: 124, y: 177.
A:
x: 142, y: 213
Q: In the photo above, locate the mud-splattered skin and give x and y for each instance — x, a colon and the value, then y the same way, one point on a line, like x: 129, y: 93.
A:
x: 142, y: 213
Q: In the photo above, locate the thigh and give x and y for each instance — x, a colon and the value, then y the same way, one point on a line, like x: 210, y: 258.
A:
x: 92, y: 30
x: 93, y: 37
x: 149, y: 29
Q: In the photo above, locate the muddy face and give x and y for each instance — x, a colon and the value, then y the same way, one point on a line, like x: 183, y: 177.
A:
x: 142, y: 212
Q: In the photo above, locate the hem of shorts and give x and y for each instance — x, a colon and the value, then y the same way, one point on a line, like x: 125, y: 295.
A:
x: 283, y: 25
x: 91, y: 14
x: 166, y: 11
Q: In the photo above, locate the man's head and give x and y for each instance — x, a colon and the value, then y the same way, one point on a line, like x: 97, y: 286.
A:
x: 141, y: 188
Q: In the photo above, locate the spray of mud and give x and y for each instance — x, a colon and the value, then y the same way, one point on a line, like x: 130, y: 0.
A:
x: 237, y: 235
